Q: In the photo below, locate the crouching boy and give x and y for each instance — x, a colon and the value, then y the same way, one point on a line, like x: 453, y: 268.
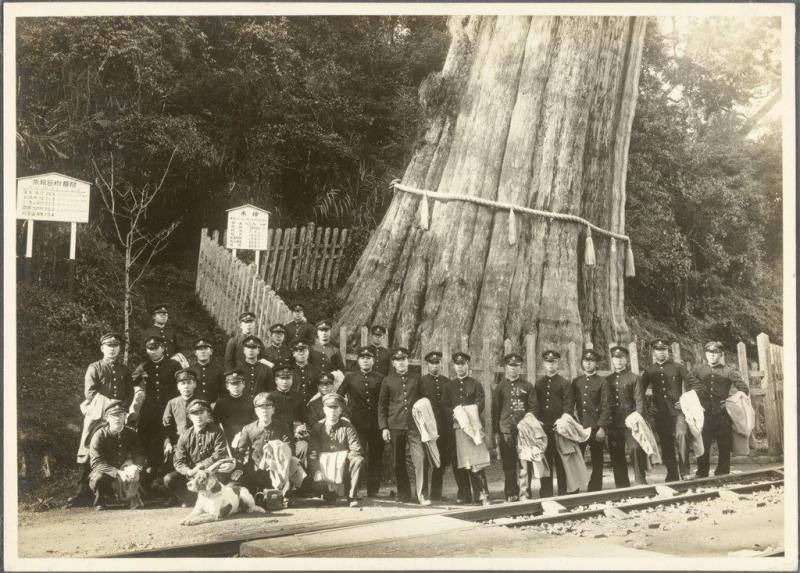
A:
x: 265, y: 446
x: 335, y: 454
x: 197, y: 448
x: 116, y: 458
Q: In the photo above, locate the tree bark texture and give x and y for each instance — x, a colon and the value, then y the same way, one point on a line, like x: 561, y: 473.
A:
x: 532, y: 111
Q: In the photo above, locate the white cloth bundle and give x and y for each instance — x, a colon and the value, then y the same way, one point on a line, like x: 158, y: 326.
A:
x: 424, y: 418
x: 693, y: 413
x: 644, y: 436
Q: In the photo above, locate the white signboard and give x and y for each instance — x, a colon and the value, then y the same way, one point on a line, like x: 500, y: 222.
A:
x: 248, y: 227
x: 53, y: 197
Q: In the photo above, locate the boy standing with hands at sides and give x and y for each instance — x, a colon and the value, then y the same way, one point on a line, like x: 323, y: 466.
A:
x: 592, y: 407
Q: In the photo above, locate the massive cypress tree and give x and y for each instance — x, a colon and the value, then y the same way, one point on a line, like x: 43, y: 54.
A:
x: 530, y: 111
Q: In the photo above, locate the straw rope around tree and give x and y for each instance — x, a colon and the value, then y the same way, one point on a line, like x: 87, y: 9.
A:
x: 589, y: 254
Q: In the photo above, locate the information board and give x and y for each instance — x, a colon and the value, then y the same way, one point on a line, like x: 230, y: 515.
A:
x: 248, y: 228
x: 53, y: 197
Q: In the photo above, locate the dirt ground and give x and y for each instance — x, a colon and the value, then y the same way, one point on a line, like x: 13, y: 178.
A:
x: 54, y: 533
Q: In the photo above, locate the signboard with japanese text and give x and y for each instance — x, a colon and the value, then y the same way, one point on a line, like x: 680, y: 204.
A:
x: 248, y: 228
x: 53, y: 197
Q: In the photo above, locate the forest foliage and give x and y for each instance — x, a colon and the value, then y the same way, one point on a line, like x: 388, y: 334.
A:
x: 312, y: 117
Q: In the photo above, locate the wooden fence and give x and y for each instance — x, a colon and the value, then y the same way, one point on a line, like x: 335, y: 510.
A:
x: 227, y: 287
x: 766, y: 383
x: 303, y: 258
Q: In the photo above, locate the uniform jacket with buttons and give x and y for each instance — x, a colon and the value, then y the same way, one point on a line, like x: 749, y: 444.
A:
x: 159, y: 388
x: 667, y: 382
x: 234, y: 414
x: 210, y: 381
x: 625, y: 396
x: 300, y: 331
x: 168, y: 336
x: 341, y: 437
x: 290, y: 407
x: 108, y: 451
x: 591, y: 401
x: 234, y: 351
x: 397, y: 396
x: 362, y: 391
x: 713, y: 385
x: 277, y: 354
x: 199, y: 448
x: 511, y: 400
x: 111, y: 378
x: 255, y: 435
x: 326, y: 357
x: 258, y: 377
x: 383, y: 360
x: 435, y: 389
x: 176, y: 419
x: 554, y: 397
x: 462, y: 392
x: 304, y: 380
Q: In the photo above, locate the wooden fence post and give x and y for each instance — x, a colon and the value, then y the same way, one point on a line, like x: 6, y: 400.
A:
x: 769, y: 382
x: 343, y: 345
x: 446, y: 358
x: 634, y: 356
x: 364, y: 336
x: 676, y: 352
x: 572, y: 359
x: 530, y: 357
x: 741, y: 354
x: 487, y: 381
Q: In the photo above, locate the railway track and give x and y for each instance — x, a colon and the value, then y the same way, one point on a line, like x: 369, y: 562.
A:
x: 517, y: 514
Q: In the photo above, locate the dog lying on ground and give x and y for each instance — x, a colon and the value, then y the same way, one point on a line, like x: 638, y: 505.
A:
x: 216, y: 501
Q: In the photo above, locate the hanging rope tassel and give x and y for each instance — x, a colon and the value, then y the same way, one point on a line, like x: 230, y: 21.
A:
x: 423, y: 212
x: 630, y: 268
x: 588, y: 254
x: 512, y: 228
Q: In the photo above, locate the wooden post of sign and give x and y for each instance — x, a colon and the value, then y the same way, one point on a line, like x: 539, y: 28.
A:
x: 73, y: 239
x: 29, y: 252
x: 233, y: 254
x: 258, y: 260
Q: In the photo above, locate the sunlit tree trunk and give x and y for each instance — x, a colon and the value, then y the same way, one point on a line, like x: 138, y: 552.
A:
x: 532, y: 111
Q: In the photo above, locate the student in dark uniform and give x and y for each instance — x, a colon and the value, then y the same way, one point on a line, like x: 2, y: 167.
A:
x: 234, y: 349
x: 361, y: 390
x: 299, y: 328
x: 314, y: 409
x: 592, y: 409
x: 258, y: 377
x: 163, y: 330
x: 113, y: 447
x: 463, y: 390
x: 110, y: 378
x: 175, y: 419
x: 198, y: 448
x: 554, y: 398
x: 383, y: 364
x: 434, y: 387
x: 254, y: 437
x: 664, y: 380
x: 326, y: 355
x: 625, y: 396
x: 512, y: 398
x: 399, y: 391
x: 234, y: 411
x: 304, y: 374
x: 290, y: 407
x: 157, y: 376
x: 209, y: 375
x: 277, y: 351
x: 713, y: 382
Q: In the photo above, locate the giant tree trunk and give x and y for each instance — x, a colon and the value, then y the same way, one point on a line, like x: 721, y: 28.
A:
x: 534, y: 111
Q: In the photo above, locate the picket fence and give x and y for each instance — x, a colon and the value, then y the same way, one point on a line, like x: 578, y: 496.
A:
x: 766, y: 382
x: 307, y: 257
x: 227, y: 287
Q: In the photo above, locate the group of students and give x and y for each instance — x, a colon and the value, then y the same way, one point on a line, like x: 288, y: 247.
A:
x: 294, y: 419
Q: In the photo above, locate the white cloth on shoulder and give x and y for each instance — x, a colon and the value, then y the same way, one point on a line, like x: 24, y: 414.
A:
x: 424, y: 418
x: 693, y: 413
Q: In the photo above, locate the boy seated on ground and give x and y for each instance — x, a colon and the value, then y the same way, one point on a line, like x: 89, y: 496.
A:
x: 314, y: 409
x: 197, y: 448
x: 116, y: 459
x: 334, y: 453
x: 176, y: 419
x: 235, y: 410
x: 265, y: 447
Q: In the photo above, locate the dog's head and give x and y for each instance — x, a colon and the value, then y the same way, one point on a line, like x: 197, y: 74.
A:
x: 205, y: 480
